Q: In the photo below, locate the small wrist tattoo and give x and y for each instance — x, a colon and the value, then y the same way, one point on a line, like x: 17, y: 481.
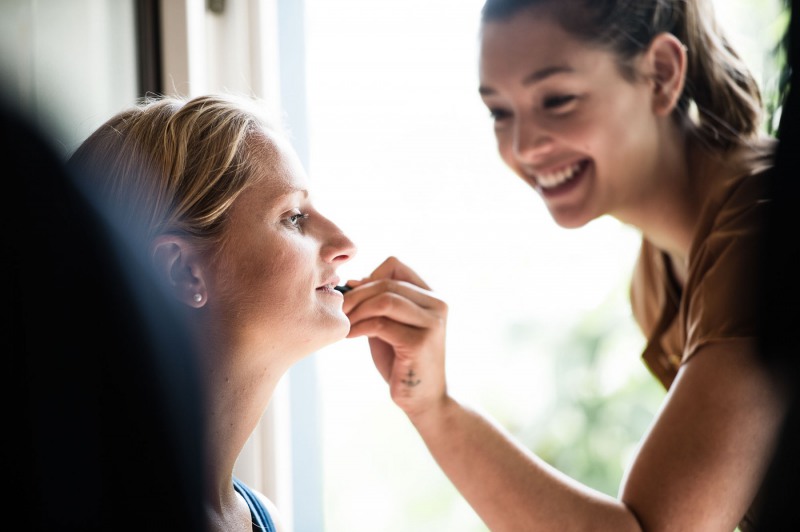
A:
x: 410, y: 381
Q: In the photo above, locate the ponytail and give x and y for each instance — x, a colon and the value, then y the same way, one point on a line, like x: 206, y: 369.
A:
x: 726, y: 95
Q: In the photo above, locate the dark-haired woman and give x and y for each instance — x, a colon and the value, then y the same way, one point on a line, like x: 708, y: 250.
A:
x: 639, y: 110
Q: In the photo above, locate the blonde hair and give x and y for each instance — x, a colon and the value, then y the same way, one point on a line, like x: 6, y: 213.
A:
x: 174, y: 165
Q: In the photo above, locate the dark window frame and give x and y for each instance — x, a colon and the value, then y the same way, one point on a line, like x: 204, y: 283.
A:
x: 148, y: 47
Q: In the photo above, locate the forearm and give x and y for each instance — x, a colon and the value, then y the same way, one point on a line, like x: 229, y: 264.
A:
x: 700, y: 465
x: 507, y: 485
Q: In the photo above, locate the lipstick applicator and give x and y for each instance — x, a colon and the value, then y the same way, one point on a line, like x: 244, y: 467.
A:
x: 343, y: 289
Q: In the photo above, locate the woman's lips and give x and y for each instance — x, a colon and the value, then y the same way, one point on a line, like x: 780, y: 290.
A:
x: 567, y: 183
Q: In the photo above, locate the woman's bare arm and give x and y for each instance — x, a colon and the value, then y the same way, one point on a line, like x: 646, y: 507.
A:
x: 698, y: 468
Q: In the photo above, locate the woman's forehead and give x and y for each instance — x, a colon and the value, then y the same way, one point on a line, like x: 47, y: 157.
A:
x: 278, y: 170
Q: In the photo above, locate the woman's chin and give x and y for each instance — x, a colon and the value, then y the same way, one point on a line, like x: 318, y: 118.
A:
x: 333, y: 332
x: 570, y: 219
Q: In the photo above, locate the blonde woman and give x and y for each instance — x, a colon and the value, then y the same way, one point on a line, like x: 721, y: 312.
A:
x: 214, y: 197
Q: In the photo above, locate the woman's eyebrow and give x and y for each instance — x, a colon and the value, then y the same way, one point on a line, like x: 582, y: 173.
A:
x: 290, y: 191
x: 539, y: 75
x: 532, y: 78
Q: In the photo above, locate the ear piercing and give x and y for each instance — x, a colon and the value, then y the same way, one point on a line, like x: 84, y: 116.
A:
x: 197, y: 297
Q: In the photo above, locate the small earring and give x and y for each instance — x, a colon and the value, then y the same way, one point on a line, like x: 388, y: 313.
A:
x: 197, y: 298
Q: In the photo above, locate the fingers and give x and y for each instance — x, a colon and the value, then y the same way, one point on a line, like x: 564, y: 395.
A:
x: 397, y: 300
x: 392, y: 268
x: 403, y: 317
x: 402, y: 337
x: 405, y: 323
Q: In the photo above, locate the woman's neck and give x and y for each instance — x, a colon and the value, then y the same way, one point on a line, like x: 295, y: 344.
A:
x: 668, y: 215
x: 240, y: 381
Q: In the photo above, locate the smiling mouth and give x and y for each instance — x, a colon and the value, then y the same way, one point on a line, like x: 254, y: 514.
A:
x: 558, y: 178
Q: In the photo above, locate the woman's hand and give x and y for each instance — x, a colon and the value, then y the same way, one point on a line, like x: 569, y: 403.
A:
x: 405, y: 323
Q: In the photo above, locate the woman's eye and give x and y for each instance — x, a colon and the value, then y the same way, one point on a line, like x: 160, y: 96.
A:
x: 557, y: 102
x: 297, y: 219
x: 498, y: 115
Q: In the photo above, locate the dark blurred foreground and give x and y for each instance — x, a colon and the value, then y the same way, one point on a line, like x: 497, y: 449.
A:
x: 780, y: 339
x: 102, y: 423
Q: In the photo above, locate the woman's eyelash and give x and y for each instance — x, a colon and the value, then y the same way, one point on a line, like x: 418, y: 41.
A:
x: 558, y: 101
x: 498, y: 114
x: 551, y: 102
x: 296, y: 220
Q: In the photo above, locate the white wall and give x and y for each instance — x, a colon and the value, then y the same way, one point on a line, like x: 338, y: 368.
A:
x: 69, y: 65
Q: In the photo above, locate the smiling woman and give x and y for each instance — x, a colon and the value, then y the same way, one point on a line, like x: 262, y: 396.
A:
x: 540, y: 331
x: 398, y: 163
x: 582, y: 101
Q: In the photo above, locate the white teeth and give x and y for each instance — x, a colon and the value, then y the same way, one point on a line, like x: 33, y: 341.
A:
x: 557, y: 178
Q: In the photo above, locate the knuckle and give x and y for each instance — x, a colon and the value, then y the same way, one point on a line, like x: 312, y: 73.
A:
x: 386, y: 302
x: 384, y: 285
x: 381, y: 323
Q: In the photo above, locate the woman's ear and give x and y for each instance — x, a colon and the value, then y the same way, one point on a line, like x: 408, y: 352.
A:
x: 666, y: 63
x: 179, y: 267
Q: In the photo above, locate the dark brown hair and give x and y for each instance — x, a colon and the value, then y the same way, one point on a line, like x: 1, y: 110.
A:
x: 718, y: 83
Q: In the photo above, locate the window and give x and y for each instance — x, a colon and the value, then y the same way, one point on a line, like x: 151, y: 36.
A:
x: 69, y: 65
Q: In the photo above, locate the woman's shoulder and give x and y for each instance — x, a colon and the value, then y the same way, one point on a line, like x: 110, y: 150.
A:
x: 263, y: 510
x: 743, y: 183
x: 755, y: 158
x: 272, y: 510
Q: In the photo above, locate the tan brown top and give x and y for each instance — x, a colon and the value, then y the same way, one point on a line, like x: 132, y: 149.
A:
x: 719, y: 301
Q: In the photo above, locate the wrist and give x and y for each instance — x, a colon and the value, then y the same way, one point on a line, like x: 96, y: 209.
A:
x: 435, y: 415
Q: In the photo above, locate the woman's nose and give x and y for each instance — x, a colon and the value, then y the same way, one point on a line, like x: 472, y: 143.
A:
x: 531, y: 142
x: 337, y: 248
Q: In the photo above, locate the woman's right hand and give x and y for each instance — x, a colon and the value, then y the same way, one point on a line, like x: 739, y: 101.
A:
x: 405, y: 323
